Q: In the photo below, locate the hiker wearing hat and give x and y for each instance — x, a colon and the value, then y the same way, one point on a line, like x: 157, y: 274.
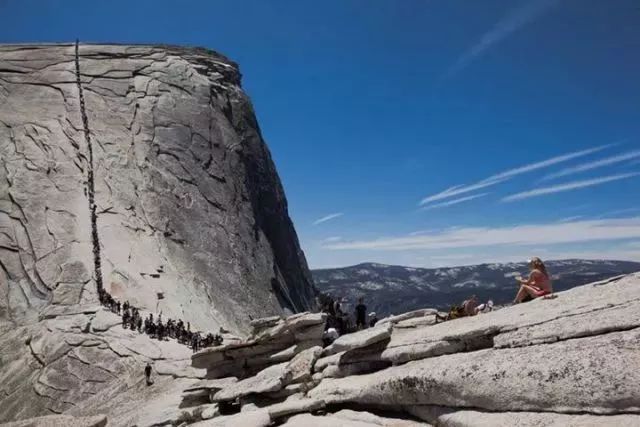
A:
x: 373, y: 319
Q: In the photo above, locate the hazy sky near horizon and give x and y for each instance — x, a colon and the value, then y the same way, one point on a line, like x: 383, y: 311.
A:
x: 419, y: 132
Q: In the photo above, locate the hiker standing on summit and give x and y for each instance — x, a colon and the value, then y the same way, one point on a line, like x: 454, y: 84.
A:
x: 361, y: 314
x: 538, y: 284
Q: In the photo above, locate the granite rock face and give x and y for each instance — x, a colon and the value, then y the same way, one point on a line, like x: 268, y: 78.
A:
x: 190, y: 220
x: 170, y: 201
x: 568, y: 361
x: 191, y: 216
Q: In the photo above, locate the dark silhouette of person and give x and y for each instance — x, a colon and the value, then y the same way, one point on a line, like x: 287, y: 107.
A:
x: 194, y: 342
x: 147, y: 373
x: 361, y: 314
x: 125, y: 318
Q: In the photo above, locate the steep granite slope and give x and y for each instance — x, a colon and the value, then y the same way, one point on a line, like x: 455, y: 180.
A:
x: 170, y: 201
x: 141, y: 170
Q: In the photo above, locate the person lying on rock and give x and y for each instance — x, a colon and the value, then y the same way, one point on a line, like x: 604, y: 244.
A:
x: 538, y: 284
x: 455, y: 312
x: 485, y: 308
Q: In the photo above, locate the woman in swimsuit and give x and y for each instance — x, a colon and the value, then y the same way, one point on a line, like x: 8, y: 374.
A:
x: 537, y: 285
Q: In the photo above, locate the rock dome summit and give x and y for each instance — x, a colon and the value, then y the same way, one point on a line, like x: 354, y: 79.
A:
x: 141, y: 169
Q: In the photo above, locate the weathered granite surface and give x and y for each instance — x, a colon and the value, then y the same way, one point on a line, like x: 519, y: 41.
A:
x: 568, y: 361
x: 191, y: 220
x: 189, y: 204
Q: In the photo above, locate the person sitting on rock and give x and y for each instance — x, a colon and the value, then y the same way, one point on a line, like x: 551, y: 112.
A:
x: 373, y: 319
x: 470, y: 306
x: 329, y: 336
x: 361, y: 314
x: 538, y: 284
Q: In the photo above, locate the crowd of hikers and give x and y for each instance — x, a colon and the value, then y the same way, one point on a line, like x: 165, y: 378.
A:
x: 339, y: 321
x: 132, y: 319
x: 538, y: 284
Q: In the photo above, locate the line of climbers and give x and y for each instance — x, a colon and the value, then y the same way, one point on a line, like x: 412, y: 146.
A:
x: 132, y: 319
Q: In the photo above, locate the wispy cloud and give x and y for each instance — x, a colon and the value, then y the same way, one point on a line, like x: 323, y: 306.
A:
x: 526, y: 234
x: 508, y: 174
x: 332, y: 239
x: 570, y: 218
x: 327, y: 218
x: 460, y: 189
x: 422, y: 232
x: 512, y: 21
x: 568, y: 186
x: 618, y: 212
x: 453, y: 202
x: 595, y: 164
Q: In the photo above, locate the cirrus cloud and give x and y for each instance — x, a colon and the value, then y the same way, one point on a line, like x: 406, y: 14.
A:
x: 508, y: 174
x: 569, y: 186
x: 525, y: 234
x: 327, y: 218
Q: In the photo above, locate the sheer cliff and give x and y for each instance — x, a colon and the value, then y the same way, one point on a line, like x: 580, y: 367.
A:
x: 140, y: 169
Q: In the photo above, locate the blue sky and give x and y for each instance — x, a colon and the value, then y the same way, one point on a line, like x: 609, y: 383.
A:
x: 375, y: 110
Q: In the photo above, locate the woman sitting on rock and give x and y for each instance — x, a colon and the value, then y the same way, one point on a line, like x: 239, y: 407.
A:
x: 537, y: 285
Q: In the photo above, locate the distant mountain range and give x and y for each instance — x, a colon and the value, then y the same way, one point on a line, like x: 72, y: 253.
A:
x: 391, y: 289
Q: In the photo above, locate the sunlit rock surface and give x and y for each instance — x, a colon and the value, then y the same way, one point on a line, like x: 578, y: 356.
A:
x: 568, y: 361
x: 191, y: 216
x: 191, y: 222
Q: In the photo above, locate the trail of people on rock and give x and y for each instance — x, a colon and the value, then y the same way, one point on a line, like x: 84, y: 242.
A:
x: 132, y: 319
x: 95, y: 239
